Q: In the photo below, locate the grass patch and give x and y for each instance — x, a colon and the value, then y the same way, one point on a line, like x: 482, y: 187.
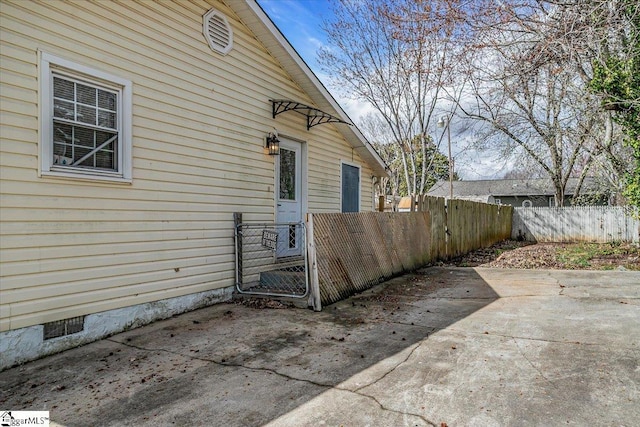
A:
x: 605, y: 256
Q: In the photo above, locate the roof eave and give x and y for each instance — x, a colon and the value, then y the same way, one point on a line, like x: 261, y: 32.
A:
x: 276, y: 43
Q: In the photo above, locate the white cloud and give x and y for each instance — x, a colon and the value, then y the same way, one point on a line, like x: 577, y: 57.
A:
x: 355, y: 109
x: 316, y: 43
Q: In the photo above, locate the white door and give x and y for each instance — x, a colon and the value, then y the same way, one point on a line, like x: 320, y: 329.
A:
x: 289, y: 198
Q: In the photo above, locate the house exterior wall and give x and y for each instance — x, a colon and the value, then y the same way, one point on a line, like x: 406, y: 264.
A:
x: 539, y: 201
x: 516, y: 201
x: 72, y: 247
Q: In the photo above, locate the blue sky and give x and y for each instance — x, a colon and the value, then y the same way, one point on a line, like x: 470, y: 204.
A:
x: 301, y: 23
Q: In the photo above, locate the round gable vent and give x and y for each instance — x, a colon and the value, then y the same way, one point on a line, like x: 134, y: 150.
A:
x: 217, y: 31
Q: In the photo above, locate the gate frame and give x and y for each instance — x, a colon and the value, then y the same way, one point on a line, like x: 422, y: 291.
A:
x: 238, y: 224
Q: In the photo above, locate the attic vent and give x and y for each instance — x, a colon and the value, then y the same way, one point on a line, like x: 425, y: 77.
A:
x: 217, y: 31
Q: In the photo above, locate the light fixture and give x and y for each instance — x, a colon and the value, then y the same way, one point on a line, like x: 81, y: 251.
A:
x: 272, y: 144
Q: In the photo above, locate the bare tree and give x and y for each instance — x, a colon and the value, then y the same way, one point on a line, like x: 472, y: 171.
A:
x: 434, y: 165
x: 397, y: 56
x: 530, y: 64
x: 377, y: 131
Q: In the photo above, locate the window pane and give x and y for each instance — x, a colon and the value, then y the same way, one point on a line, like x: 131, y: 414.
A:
x: 63, y: 88
x: 62, y: 133
x: 86, y: 94
x: 84, y: 137
x: 105, y: 159
x: 63, y: 109
x: 292, y: 236
x: 79, y: 152
x: 62, y: 144
x: 86, y: 115
x: 287, y: 174
x: 106, y: 100
x: 106, y: 119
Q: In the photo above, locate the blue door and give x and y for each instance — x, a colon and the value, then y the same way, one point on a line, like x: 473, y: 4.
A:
x: 350, y: 188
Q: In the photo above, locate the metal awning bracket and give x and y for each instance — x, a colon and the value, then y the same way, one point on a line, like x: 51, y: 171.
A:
x: 314, y: 115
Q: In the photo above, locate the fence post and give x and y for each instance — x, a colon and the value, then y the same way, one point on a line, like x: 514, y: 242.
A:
x: 447, y: 222
x: 380, y: 203
x: 315, y: 299
x: 237, y: 220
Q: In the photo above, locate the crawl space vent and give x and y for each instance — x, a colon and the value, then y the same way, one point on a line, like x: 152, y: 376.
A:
x: 60, y: 328
x: 217, y: 31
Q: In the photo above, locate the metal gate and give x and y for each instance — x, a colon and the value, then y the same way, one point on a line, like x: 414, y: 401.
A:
x: 260, y: 270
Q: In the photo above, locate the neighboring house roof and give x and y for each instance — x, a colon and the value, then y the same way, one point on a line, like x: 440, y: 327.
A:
x: 507, y: 187
x: 276, y: 43
x: 405, y: 203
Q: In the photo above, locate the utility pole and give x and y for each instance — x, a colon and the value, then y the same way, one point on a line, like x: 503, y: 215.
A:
x: 441, y: 123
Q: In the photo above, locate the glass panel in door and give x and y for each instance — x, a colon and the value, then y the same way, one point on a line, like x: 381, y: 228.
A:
x: 289, y: 200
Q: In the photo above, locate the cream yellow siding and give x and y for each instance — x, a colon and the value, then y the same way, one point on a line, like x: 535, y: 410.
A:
x: 72, y: 247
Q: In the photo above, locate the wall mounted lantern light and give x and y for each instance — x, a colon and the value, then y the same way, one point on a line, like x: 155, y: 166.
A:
x: 272, y: 143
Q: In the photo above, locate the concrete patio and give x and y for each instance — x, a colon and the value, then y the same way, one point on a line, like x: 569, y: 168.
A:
x: 461, y: 346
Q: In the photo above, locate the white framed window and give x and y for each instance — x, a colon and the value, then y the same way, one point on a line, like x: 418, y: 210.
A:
x: 85, y: 127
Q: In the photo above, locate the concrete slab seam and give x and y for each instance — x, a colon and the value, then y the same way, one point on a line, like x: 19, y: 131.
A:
x: 415, y: 347
x: 532, y: 365
x: 288, y: 377
x: 359, y: 392
x: 225, y: 364
x: 461, y: 333
x: 384, y: 408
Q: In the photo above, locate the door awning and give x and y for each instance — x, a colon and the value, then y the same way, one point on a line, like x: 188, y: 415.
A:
x: 314, y: 116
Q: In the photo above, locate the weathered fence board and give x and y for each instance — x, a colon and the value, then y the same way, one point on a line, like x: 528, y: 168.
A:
x: 575, y: 224
x: 472, y: 225
x: 356, y: 251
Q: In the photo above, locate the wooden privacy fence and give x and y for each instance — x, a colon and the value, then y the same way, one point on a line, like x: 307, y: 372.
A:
x: 473, y: 225
x: 355, y: 251
x: 577, y: 223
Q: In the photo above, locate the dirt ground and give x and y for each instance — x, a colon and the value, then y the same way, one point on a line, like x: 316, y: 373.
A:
x: 566, y: 256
